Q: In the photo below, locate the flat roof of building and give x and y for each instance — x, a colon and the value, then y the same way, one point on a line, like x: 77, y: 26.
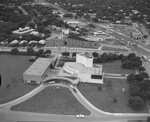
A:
x: 82, y: 69
x: 38, y: 67
x: 23, y: 30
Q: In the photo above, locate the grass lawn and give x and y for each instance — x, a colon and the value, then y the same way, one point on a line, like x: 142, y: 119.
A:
x: 53, y: 101
x: 116, y: 67
x: 114, y: 48
x: 103, y: 99
x: 11, y: 69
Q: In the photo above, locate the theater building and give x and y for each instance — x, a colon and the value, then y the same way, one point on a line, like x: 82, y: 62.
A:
x: 83, y: 69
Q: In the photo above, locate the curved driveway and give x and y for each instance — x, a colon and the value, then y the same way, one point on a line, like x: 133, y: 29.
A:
x: 96, y: 115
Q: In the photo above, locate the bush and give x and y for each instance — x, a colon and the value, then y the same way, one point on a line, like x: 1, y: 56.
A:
x: 95, y: 54
x: 65, y: 54
x: 30, y: 50
x: 48, y: 51
x: 14, y: 51
x: 136, y: 102
x: 135, y: 90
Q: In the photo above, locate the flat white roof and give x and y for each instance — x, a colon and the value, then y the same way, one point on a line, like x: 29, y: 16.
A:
x: 38, y: 67
x: 82, y: 69
x: 23, y: 31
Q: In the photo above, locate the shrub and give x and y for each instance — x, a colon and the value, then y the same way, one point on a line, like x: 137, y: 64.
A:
x: 14, y: 51
x: 136, y: 102
x: 30, y: 50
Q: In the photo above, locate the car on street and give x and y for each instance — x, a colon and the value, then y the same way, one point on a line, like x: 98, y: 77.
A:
x: 80, y: 116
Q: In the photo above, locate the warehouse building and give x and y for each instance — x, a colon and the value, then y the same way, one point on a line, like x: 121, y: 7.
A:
x: 37, y: 71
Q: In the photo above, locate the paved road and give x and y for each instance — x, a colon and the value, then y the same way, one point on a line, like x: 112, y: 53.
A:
x: 63, y: 49
x: 96, y: 115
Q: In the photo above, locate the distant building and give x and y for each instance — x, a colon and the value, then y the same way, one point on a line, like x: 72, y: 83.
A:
x: 37, y: 71
x: 137, y: 35
x: 73, y: 43
x: 83, y: 69
x: 22, y: 31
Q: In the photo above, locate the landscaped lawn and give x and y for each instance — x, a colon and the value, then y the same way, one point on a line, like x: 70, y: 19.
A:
x: 116, y: 67
x: 53, y: 101
x: 11, y: 69
x: 104, y: 99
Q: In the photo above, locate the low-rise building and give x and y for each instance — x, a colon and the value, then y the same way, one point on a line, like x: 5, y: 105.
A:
x: 136, y: 35
x: 22, y: 31
x: 83, y: 69
x: 37, y: 71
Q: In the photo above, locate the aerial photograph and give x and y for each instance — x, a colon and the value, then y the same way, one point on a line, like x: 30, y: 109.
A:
x: 74, y: 60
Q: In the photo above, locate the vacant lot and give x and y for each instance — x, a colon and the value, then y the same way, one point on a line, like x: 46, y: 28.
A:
x: 116, y: 67
x: 104, y: 98
x: 53, y: 101
x: 11, y: 69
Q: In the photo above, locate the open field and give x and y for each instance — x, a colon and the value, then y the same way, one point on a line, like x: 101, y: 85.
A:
x: 53, y: 101
x: 116, y: 67
x: 104, y: 99
x: 11, y: 69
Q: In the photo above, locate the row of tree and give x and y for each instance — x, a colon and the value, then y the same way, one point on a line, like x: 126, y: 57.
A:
x: 31, y: 51
x: 139, y: 89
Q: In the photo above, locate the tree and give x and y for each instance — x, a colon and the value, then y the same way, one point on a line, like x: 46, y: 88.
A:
x: 47, y: 31
x: 95, y: 54
x: 131, y: 77
x: 145, y: 85
x: 68, y: 15
x: 136, y: 102
x: 87, y: 16
x: 30, y: 50
x: 31, y: 25
x: 51, y: 66
x: 139, y: 77
x: 131, y: 55
x: 147, y: 94
x: 105, y: 57
x: 48, y: 51
x: 14, y: 51
x: 41, y: 51
x: 141, y: 69
x: 65, y: 54
x: 124, y: 58
x: 95, y: 19
x: 144, y: 74
x: 98, y: 60
x: 135, y: 64
x: 74, y: 54
x: 135, y: 90
x: 40, y: 29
